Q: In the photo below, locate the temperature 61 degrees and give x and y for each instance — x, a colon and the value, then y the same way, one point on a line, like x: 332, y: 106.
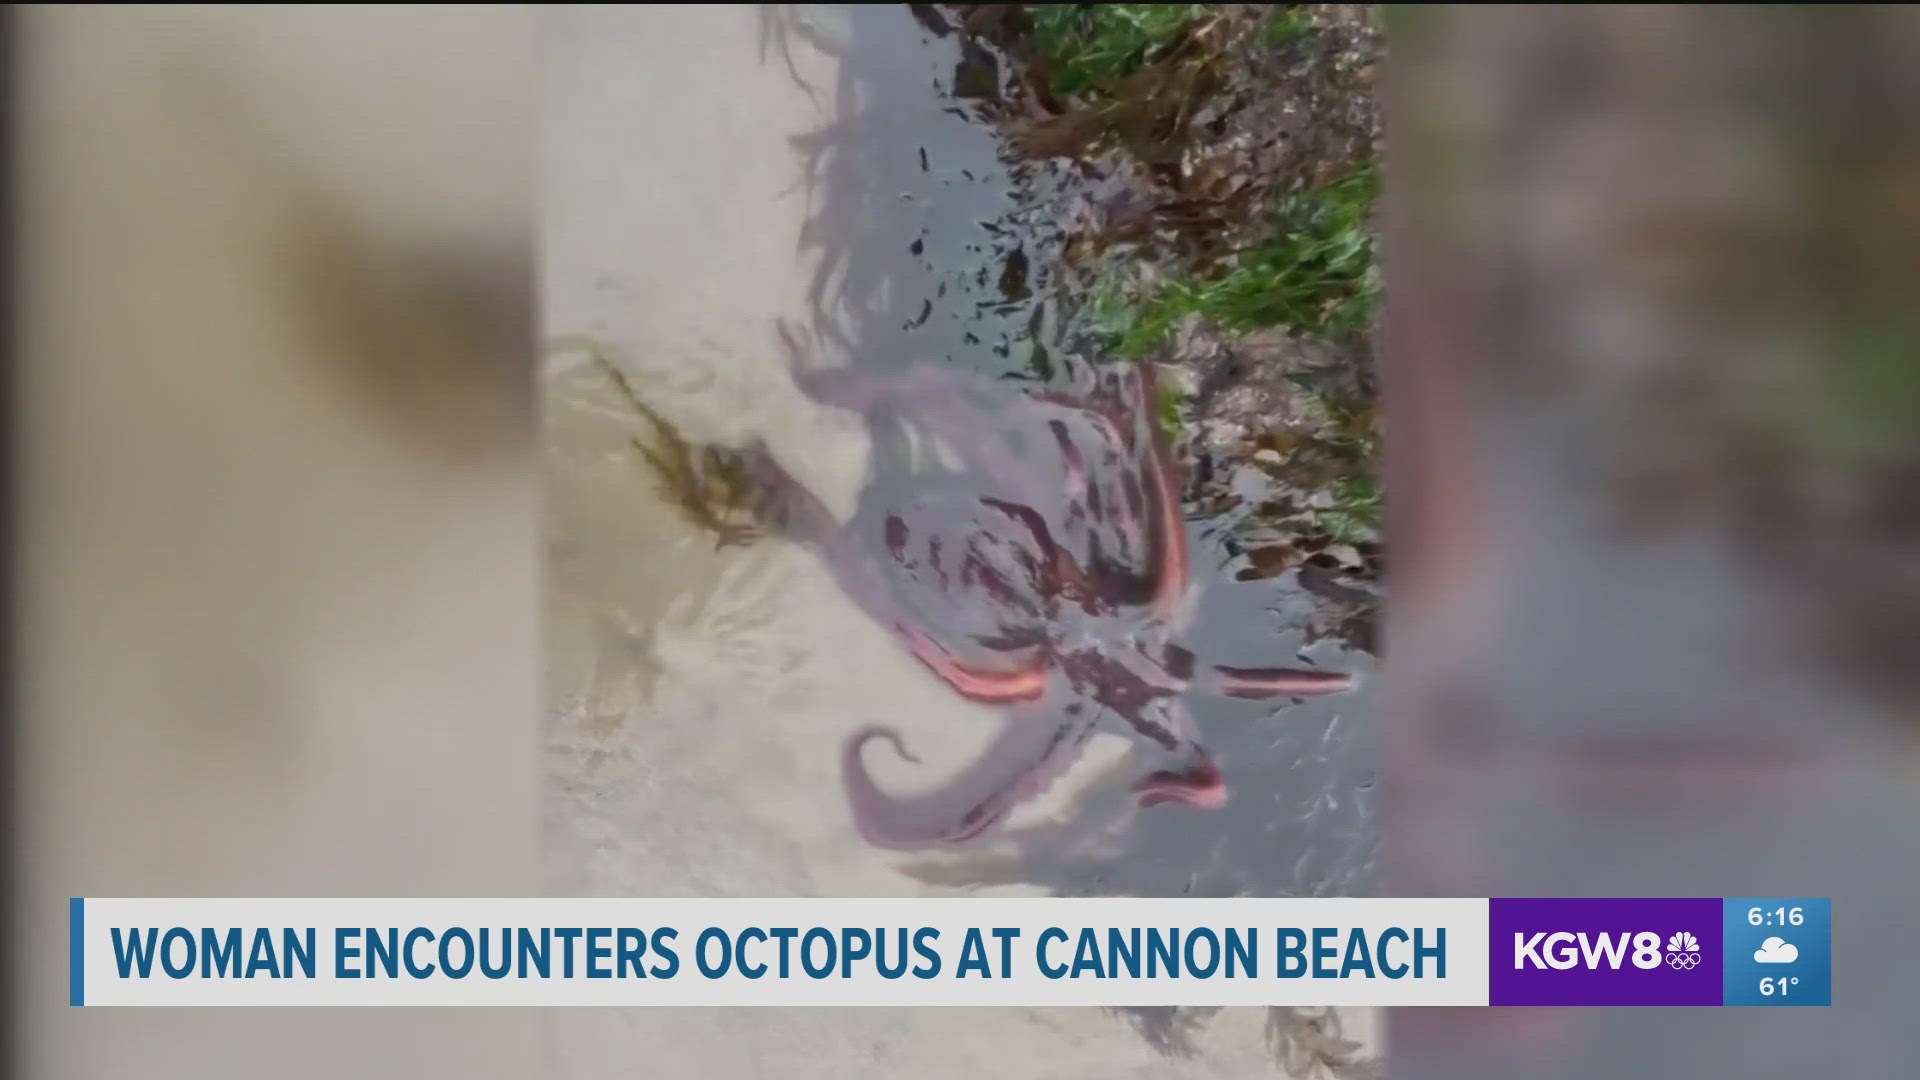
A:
x: 1778, y: 985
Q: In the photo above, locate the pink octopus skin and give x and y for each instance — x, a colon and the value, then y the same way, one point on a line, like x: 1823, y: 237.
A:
x: 1073, y: 558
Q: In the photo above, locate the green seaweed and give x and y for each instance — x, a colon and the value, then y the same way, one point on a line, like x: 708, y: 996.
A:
x: 1316, y: 274
x: 1090, y: 47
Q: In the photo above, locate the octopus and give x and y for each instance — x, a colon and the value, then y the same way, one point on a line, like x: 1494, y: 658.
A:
x: 1047, y: 574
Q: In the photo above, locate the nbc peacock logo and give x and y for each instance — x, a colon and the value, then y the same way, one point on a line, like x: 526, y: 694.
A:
x: 1683, y: 951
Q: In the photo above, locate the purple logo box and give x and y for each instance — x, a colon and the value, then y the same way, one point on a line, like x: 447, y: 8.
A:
x: 1605, y: 952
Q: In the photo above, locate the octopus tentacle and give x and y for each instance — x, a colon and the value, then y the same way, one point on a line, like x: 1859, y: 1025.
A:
x: 985, y: 685
x: 1168, y: 521
x: 1264, y: 682
x: 1023, y: 759
x: 1167, y: 721
x: 1076, y: 463
x: 1147, y: 519
x: 805, y: 516
x: 1047, y: 578
x: 1200, y: 785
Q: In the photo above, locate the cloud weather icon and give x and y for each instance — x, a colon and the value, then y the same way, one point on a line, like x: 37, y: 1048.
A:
x: 1776, y: 951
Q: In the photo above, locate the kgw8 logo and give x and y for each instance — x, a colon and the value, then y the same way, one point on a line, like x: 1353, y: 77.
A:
x: 1563, y: 951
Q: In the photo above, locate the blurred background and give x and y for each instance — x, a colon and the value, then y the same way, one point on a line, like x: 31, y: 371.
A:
x: 277, y: 549
x: 1651, y: 436
x: 1652, y: 384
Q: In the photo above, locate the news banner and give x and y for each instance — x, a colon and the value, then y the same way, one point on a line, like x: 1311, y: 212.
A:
x: 1722, y: 951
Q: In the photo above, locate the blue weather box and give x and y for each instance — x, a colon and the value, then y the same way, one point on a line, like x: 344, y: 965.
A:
x: 1779, y: 951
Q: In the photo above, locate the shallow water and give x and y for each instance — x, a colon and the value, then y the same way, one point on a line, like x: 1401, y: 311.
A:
x: 711, y: 173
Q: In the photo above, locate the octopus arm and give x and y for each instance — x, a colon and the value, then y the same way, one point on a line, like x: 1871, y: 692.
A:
x: 1243, y: 682
x: 807, y: 519
x: 1027, y: 755
x: 1070, y: 456
x: 1168, y: 520
x: 989, y: 686
x: 1147, y: 515
x: 1199, y: 786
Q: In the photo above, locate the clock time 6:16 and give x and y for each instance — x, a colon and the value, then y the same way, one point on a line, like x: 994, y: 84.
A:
x: 1780, y: 916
